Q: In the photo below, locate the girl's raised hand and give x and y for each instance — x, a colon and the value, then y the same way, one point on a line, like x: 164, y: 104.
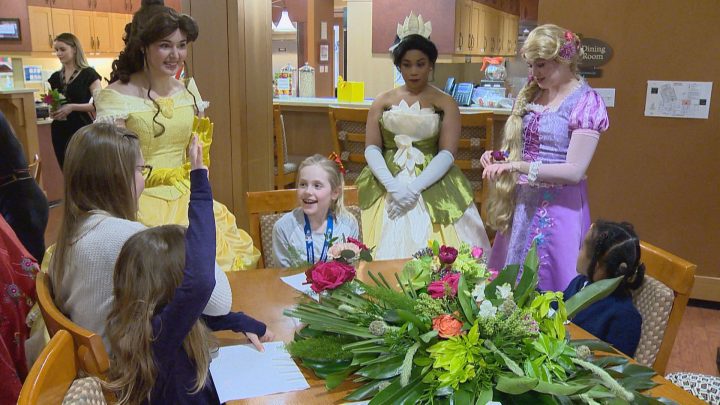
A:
x: 195, y: 154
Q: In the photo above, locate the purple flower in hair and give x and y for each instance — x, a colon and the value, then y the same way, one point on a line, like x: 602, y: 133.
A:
x: 568, y: 49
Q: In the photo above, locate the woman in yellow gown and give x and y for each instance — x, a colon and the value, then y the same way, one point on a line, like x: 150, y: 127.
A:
x: 145, y: 96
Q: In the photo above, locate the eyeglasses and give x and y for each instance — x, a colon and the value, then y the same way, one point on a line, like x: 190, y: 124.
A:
x: 145, y: 170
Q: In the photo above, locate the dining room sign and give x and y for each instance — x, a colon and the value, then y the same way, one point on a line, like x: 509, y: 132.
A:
x: 595, y: 53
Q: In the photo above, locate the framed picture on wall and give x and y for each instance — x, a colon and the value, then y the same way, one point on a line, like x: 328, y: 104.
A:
x: 10, y: 29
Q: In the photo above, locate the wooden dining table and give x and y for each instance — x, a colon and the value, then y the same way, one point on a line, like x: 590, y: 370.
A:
x: 262, y: 294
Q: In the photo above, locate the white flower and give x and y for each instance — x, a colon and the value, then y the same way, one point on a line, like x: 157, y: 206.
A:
x: 504, y: 291
x: 487, y: 309
x: 478, y: 292
x: 336, y: 249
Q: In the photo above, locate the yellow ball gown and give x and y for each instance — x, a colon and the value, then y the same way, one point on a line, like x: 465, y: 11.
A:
x: 162, y: 204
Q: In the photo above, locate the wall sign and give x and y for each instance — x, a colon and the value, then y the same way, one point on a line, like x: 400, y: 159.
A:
x: 595, y: 53
x: 10, y: 29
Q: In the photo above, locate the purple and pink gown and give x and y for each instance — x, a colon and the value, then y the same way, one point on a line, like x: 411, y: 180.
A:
x: 556, y: 216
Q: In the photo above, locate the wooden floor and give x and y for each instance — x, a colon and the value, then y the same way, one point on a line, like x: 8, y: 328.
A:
x: 695, y: 348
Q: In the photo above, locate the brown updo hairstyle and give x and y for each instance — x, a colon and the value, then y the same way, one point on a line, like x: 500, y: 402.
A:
x: 152, y: 22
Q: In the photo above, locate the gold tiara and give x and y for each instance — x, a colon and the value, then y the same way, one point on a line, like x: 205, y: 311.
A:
x: 413, y: 24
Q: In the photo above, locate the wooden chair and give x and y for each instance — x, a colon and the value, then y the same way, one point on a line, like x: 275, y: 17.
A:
x: 476, y: 136
x: 661, y: 301
x: 52, y: 374
x: 90, y: 350
x: 347, y: 126
x: 284, y: 171
x: 264, y: 208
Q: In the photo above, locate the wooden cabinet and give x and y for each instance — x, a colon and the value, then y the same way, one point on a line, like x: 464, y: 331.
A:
x: 39, y: 3
x: 46, y: 23
x: 124, y: 6
x: 118, y: 22
x: 512, y: 23
x: 92, y: 5
x: 463, y: 11
x: 94, y: 29
x: 483, y: 30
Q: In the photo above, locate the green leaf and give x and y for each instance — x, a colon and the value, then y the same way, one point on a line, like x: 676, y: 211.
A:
x: 560, y: 389
x: 590, y: 294
x: 483, y: 397
x: 461, y: 396
x: 467, y: 304
x: 366, y: 391
x: 427, y: 337
x: 606, y: 361
x: 637, y: 370
x: 436, y: 247
x: 397, y: 394
x: 389, y: 368
x: 335, y: 379
x: 506, y: 275
x: 510, y: 363
x: 594, y: 345
x: 515, y: 385
x: 412, y: 318
x: 639, y: 383
x: 422, y: 361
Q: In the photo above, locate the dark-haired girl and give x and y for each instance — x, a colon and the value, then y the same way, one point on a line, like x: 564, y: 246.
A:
x: 146, y: 97
x: 411, y: 191
x: 611, y: 250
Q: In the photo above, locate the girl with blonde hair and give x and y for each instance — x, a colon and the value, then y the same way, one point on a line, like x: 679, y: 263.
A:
x: 160, y: 347
x: 77, y: 82
x: 303, y: 235
x: 539, y: 191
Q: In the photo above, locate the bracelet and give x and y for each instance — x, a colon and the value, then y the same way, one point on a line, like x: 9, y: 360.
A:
x: 533, y: 171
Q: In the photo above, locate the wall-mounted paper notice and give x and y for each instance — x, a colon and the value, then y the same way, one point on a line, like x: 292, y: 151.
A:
x: 297, y: 282
x: 241, y: 372
x: 678, y: 99
x: 608, y: 96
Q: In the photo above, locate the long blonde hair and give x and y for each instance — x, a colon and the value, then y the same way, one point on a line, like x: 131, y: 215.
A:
x: 148, y: 271
x: 335, y: 177
x: 73, y: 42
x: 99, y: 174
x: 544, y: 42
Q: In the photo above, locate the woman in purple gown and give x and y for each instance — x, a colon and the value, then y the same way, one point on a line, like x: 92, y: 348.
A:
x: 540, y: 191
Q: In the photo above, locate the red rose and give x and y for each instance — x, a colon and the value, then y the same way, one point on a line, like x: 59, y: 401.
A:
x: 357, y: 243
x: 447, y: 326
x: 329, y: 275
x: 447, y: 254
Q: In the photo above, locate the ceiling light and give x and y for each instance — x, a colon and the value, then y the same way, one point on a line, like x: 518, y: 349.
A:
x: 284, y: 25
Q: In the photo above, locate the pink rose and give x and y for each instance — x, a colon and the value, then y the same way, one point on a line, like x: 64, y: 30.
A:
x: 447, y: 254
x: 335, y: 251
x: 447, y: 326
x: 448, y: 285
x: 477, y: 252
x: 493, y: 274
x: 329, y: 275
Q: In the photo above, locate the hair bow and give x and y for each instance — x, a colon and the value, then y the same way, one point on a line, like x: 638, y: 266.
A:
x: 335, y: 158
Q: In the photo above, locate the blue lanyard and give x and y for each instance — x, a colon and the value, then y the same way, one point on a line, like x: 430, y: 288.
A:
x: 309, y: 240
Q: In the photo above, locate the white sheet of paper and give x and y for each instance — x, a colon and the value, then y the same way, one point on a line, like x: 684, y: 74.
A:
x: 241, y: 372
x: 297, y: 281
x: 678, y: 99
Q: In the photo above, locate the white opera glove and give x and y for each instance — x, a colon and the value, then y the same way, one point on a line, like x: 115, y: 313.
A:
x: 435, y: 170
x: 399, y: 192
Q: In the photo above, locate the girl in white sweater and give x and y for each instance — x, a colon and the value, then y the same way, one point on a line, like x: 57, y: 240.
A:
x: 104, y: 175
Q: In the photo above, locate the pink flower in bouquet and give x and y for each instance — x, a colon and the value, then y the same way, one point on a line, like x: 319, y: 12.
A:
x: 447, y: 254
x: 476, y: 252
x: 335, y: 251
x: 329, y: 275
x: 493, y: 274
x: 447, y: 326
x: 47, y: 99
x: 359, y: 244
x: 448, y: 285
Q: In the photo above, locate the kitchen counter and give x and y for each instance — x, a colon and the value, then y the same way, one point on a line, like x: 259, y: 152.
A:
x: 18, y: 91
x: 307, y: 125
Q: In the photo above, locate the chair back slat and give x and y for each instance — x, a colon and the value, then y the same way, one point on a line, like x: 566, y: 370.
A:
x: 347, y: 126
x: 89, y: 348
x: 675, y: 274
x: 52, y: 374
x: 261, y: 203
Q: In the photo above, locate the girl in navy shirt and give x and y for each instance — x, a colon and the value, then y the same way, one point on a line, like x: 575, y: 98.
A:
x: 610, y: 250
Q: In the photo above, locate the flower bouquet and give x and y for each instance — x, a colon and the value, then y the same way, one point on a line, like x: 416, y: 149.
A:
x: 54, y: 99
x: 448, y: 330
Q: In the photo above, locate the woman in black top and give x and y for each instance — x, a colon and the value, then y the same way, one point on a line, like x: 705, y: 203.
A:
x: 77, y: 81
